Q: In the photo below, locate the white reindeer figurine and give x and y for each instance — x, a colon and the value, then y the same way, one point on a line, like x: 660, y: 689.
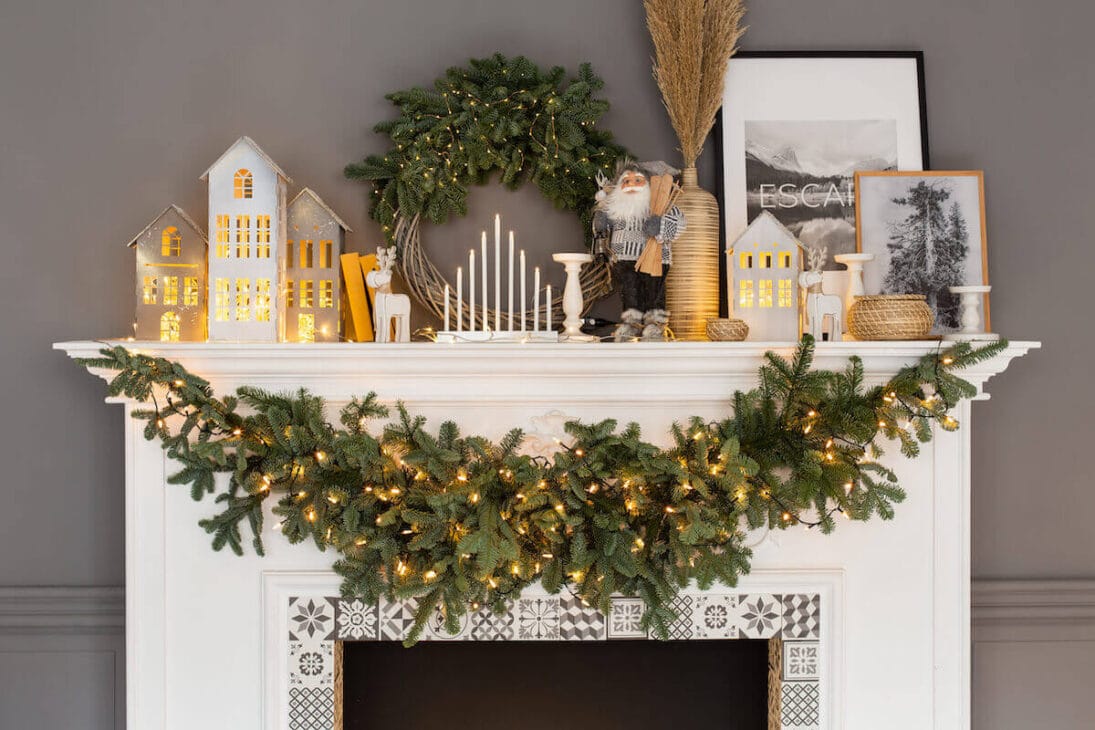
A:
x: 819, y: 305
x: 388, y: 306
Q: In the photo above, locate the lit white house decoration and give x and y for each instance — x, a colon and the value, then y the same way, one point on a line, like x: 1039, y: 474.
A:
x: 315, y: 240
x: 170, y: 278
x: 247, y: 220
x: 765, y: 263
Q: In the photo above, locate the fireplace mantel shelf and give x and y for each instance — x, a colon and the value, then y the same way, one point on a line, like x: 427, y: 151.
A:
x: 891, y: 635
x: 673, y: 372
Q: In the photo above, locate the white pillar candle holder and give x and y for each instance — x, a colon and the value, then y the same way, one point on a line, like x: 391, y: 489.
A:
x: 572, y: 297
x: 972, y: 321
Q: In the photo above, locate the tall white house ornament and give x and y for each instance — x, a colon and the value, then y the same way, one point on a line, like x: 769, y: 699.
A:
x: 765, y: 263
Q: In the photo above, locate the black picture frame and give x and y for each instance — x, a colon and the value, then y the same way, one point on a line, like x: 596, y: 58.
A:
x: 717, y: 131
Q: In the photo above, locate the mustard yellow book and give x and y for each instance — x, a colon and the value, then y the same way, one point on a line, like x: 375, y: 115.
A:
x: 360, y: 316
x: 368, y: 263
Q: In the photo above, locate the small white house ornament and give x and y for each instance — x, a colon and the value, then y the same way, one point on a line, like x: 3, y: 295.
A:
x: 765, y: 263
x: 170, y: 279
x: 388, y: 308
x: 315, y: 241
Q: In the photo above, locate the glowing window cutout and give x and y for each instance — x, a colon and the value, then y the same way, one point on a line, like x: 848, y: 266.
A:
x: 243, y: 300
x: 262, y: 300
x: 262, y: 237
x: 222, y: 236
x: 169, y: 327
x: 784, y: 259
x: 765, y: 260
x: 243, y: 184
x: 171, y: 291
x: 190, y: 291
x: 223, y: 300
x: 325, y: 249
x: 326, y: 294
x: 746, y: 261
x: 786, y: 294
x: 764, y: 295
x: 306, y: 327
x: 149, y: 290
x: 289, y: 293
x: 307, y: 299
x: 745, y: 294
x: 306, y: 254
x: 170, y: 242
x: 290, y: 262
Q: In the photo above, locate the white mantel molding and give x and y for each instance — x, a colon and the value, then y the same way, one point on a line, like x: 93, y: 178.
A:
x: 901, y: 641
x: 684, y: 372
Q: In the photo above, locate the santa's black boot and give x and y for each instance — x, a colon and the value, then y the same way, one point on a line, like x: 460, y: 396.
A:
x: 630, y: 326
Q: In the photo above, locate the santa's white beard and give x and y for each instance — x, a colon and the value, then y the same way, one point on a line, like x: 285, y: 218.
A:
x: 628, y: 206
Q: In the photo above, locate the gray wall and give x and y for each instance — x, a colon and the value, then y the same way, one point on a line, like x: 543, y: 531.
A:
x: 112, y: 108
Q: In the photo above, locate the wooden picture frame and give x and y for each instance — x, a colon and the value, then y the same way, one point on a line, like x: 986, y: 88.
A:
x: 880, y: 204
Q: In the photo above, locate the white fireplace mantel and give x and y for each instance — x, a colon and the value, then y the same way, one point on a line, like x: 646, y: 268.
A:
x: 896, y: 619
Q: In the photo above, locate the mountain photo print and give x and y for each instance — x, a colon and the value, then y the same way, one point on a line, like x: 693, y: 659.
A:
x: 803, y: 172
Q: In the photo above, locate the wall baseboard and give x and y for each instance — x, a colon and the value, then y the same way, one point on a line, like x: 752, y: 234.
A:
x: 1033, y: 610
x: 61, y: 610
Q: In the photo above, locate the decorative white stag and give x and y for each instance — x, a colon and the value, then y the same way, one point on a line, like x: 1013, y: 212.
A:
x: 389, y: 306
x: 820, y: 305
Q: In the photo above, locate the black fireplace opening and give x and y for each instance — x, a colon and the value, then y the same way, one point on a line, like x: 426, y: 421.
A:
x: 555, y: 685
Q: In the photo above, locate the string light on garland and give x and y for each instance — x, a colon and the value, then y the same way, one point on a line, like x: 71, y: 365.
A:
x: 457, y: 522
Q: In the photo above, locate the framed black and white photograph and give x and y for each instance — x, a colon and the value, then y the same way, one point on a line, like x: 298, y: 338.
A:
x: 797, y: 126
x: 927, y: 233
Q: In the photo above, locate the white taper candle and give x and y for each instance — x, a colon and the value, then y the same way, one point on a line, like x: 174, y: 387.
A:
x: 459, y: 298
x: 497, y: 272
x: 547, y: 307
x: 446, y: 307
x: 524, y: 300
x: 483, y: 263
x: 509, y: 324
x: 471, y: 291
x: 536, y: 299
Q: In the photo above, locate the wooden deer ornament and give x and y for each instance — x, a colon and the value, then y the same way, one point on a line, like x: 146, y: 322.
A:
x: 388, y: 306
x: 819, y: 305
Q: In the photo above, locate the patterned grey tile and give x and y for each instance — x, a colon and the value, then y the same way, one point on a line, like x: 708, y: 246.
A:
x: 435, y: 629
x: 311, y: 664
x: 715, y: 616
x: 486, y: 625
x: 579, y: 622
x: 396, y: 619
x: 624, y: 620
x: 311, y: 708
x: 801, y: 660
x: 760, y: 615
x: 682, y: 627
x: 801, y: 616
x: 801, y: 705
x: 538, y: 618
x: 312, y: 618
x: 355, y: 619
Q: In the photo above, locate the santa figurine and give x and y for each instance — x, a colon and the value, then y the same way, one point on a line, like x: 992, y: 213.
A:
x: 625, y: 221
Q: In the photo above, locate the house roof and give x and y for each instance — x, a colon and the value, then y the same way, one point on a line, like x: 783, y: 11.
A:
x: 312, y: 194
x: 251, y: 143
x: 765, y: 215
x: 182, y: 214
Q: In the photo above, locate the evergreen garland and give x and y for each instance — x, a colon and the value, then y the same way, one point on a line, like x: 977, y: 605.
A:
x: 457, y: 521
x: 496, y: 114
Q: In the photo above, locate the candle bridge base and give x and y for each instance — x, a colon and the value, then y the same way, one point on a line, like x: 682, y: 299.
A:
x: 452, y: 336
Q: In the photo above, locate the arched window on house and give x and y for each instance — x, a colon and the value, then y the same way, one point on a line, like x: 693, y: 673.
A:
x: 243, y: 184
x: 170, y: 242
x: 169, y: 327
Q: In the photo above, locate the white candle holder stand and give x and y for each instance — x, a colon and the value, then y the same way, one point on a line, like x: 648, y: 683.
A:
x: 972, y: 322
x: 572, y: 297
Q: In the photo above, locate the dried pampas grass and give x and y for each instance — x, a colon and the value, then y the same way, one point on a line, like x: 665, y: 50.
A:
x: 693, y: 43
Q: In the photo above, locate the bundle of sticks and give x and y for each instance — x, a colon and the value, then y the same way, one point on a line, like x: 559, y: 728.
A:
x: 663, y: 193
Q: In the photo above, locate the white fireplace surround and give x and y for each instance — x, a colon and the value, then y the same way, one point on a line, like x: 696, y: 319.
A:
x: 881, y: 609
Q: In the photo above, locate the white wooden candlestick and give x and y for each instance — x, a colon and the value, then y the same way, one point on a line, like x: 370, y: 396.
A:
x: 572, y: 297
x: 972, y: 323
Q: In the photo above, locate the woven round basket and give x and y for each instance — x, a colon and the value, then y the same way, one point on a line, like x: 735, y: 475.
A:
x: 426, y: 284
x: 890, y: 317
x: 727, y: 330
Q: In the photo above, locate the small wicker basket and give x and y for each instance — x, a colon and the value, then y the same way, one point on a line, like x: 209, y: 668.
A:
x: 727, y: 330
x: 890, y: 317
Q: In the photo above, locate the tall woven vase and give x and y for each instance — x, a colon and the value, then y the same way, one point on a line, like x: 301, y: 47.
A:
x: 692, y: 287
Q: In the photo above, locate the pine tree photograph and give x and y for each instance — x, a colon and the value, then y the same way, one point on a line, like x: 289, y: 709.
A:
x: 927, y: 232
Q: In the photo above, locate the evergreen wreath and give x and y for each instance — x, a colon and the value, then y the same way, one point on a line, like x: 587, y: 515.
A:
x: 457, y: 521
x: 495, y: 115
